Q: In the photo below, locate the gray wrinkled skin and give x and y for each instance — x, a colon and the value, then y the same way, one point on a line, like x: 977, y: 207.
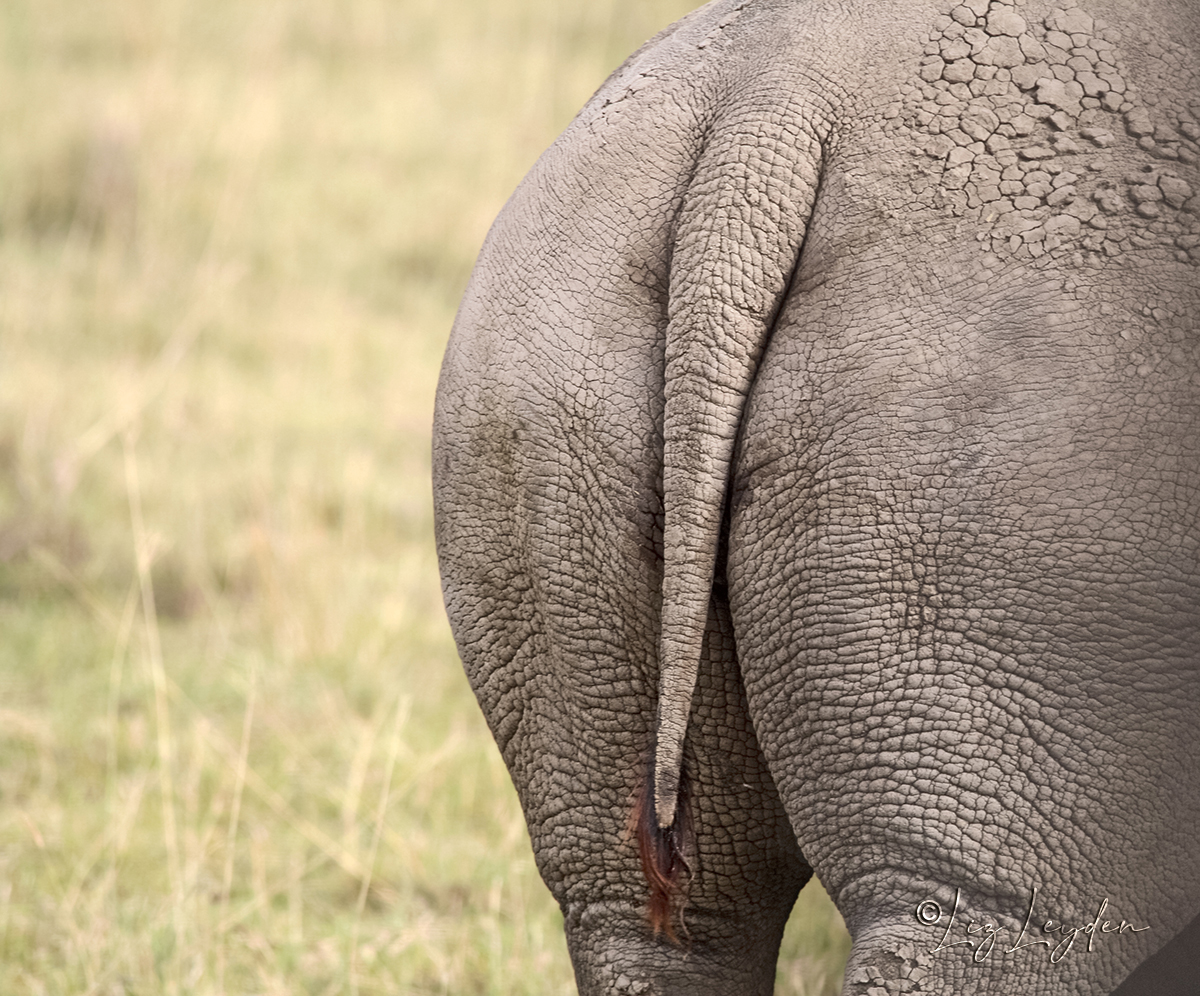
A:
x: 830, y: 391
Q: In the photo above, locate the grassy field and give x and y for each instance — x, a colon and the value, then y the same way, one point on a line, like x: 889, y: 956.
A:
x: 237, y: 754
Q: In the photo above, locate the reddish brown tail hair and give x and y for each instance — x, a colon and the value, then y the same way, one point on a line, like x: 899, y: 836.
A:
x: 665, y: 854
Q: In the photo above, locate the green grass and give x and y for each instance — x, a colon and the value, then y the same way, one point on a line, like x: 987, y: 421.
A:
x: 237, y: 754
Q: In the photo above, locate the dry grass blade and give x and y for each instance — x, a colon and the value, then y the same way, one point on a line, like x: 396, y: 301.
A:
x: 259, y: 786
x: 235, y: 812
x: 144, y: 556
x: 122, y: 418
x: 401, y: 713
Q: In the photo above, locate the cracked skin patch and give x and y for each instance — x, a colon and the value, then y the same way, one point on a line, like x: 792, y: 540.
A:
x: 893, y: 972
x: 1041, y: 130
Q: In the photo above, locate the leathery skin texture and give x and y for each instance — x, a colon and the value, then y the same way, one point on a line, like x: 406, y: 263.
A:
x: 832, y: 385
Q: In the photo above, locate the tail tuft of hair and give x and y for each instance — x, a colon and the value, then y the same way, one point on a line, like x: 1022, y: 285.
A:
x: 665, y: 856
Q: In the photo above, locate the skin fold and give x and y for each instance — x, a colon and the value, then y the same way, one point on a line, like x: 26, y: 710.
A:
x: 817, y: 487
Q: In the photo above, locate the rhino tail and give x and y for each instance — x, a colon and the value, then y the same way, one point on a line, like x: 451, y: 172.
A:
x: 724, y: 296
x: 693, y: 504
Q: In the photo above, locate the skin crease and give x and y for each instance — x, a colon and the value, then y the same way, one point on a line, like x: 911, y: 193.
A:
x: 831, y: 391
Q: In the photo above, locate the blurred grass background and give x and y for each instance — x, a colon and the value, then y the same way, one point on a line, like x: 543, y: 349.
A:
x: 237, y: 754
